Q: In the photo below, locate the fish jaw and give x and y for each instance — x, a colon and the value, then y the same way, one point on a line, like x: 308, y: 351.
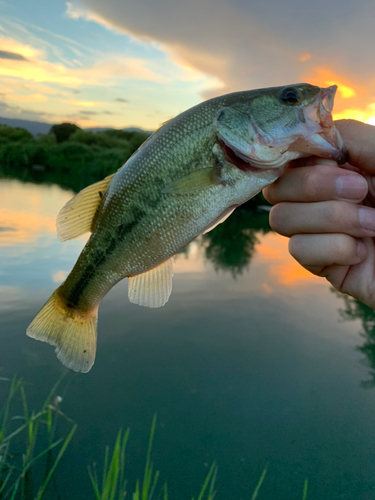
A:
x: 322, y: 138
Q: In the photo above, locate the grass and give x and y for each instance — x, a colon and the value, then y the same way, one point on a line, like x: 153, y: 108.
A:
x: 35, y: 427
x: 38, y: 432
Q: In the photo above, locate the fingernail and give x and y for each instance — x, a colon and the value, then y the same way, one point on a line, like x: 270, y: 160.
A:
x: 325, y: 161
x: 367, y: 218
x: 351, y: 187
x: 361, y: 250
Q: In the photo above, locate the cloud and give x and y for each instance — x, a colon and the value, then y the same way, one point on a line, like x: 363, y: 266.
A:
x: 4, y: 54
x: 86, y: 104
x: 253, y: 44
x: 27, y: 98
x: 107, y: 70
x: 121, y: 99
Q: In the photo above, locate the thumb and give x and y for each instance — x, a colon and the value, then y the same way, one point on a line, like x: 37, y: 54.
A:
x: 359, y: 138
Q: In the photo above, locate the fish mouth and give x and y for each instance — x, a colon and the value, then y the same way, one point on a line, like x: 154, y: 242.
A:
x: 236, y: 158
x: 322, y: 138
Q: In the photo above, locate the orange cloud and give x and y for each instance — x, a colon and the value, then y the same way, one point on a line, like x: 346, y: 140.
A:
x: 352, y: 98
x: 305, y: 57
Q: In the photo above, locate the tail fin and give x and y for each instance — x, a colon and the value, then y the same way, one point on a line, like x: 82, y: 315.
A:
x: 71, y: 331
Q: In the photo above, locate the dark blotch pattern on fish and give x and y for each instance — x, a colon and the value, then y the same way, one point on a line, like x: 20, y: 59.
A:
x: 102, y: 255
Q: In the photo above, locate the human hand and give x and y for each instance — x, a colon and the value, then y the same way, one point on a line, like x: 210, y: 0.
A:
x: 327, y: 211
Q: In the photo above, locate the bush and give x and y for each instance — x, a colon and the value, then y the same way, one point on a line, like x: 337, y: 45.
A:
x: 63, y: 131
x: 47, y: 139
x: 13, y: 134
x: 23, y: 155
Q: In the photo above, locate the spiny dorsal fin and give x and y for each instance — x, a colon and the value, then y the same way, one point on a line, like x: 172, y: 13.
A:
x: 195, y: 181
x: 162, y: 125
x: 76, y: 216
x: 152, y: 288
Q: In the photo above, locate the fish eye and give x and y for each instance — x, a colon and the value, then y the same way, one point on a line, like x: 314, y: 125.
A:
x: 290, y: 96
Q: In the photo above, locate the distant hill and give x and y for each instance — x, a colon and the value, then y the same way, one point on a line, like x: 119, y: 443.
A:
x: 36, y: 128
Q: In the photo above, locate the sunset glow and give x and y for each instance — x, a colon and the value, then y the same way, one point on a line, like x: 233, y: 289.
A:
x: 283, y: 268
x: 60, y: 63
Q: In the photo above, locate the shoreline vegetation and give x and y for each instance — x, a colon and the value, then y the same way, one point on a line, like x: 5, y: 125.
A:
x: 67, y: 155
x: 70, y: 156
x: 30, y: 453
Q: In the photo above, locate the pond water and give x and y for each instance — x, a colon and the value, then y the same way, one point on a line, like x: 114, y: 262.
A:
x: 250, y: 363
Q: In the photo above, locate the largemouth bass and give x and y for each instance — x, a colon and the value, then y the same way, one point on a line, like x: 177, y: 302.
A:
x: 185, y: 179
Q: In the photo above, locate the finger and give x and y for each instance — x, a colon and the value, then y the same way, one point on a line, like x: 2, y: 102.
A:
x: 317, y: 183
x: 317, y: 251
x: 323, y: 217
x: 359, y: 139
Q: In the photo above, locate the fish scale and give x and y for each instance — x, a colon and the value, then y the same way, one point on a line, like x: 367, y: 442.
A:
x: 187, y: 177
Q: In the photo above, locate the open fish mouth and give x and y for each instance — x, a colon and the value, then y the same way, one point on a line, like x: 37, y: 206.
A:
x: 324, y: 139
x: 242, y: 162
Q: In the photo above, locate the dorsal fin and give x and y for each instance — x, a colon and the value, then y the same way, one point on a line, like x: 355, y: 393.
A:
x: 152, y: 288
x: 76, y: 216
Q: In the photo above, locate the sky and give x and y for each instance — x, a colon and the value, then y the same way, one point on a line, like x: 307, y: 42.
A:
x: 125, y: 63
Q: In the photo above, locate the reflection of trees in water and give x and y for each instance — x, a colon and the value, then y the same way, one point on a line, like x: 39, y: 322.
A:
x: 356, y: 310
x: 231, y: 245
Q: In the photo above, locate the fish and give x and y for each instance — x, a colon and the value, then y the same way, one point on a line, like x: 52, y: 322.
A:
x: 183, y: 180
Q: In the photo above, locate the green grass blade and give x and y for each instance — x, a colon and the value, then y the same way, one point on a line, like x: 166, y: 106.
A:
x: 208, y: 481
x: 56, y: 462
x: 165, y: 492
x: 260, y: 482
x: 211, y: 493
x: 94, y: 484
x: 148, y: 468
x: 304, y: 493
x: 156, y: 477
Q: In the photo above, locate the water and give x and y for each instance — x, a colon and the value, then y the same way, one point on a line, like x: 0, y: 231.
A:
x: 250, y: 363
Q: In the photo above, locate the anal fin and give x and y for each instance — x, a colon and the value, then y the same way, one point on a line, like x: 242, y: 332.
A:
x: 152, y: 288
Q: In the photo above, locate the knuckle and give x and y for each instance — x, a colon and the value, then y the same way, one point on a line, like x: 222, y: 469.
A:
x: 333, y: 213
x: 311, y: 183
x: 316, y: 181
x: 342, y: 248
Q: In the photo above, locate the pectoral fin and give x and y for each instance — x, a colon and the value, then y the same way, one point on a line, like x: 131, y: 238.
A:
x: 75, y: 218
x: 199, y: 179
x: 224, y: 216
x: 153, y: 288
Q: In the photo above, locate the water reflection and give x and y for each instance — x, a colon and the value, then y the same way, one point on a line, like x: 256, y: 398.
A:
x: 230, y: 246
x: 355, y: 310
x: 245, y: 372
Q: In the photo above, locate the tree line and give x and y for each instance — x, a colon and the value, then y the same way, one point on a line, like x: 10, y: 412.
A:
x: 67, y: 155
